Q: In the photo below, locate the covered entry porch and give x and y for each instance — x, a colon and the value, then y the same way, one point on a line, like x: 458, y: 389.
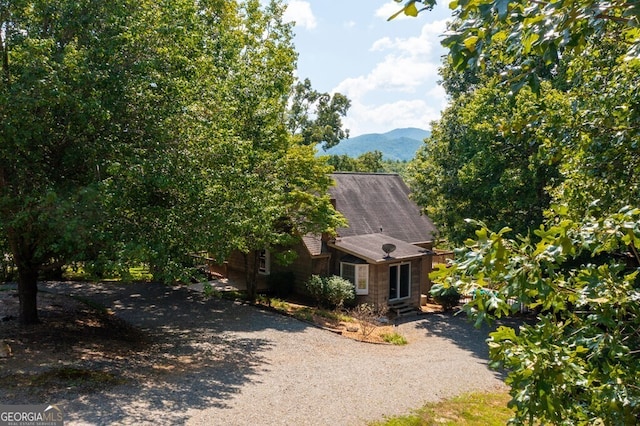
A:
x: 386, y: 272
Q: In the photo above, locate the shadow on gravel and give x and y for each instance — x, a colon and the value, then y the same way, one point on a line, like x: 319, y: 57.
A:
x: 459, y: 330
x: 194, y: 353
x: 167, y: 396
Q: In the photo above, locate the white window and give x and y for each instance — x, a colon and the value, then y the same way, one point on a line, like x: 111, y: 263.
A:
x: 264, y: 264
x: 358, y: 274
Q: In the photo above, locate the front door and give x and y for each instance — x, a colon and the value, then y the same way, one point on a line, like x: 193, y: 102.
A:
x: 399, y: 281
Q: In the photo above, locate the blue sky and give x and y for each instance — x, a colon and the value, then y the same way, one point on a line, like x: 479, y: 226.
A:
x: 389, y: 70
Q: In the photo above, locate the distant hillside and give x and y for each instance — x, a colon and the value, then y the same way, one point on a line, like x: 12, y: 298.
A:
x: 398, y: 144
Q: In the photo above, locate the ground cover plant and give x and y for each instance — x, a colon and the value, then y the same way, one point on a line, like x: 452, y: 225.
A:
x: 472, y: 409
x: 347, y: 322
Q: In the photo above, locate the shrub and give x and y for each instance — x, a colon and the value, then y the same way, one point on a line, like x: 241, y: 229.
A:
x: 281, y: 283
x: 367, y: 316
x: 315, y: 287
x: 448, y: 296
x: 330, y: 291
x: 395, y: 339
x: 339, y: 290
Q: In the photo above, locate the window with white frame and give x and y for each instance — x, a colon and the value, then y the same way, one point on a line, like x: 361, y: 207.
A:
x: 264, y: 266
x: 358, y: 274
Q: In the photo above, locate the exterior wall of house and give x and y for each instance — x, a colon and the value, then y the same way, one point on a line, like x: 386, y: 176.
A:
x: 303, y: 267
x: 306, y: 265
x: 418, y: 275
x: 379, y: 279
x: 425, y: 281
x: 379, y: 283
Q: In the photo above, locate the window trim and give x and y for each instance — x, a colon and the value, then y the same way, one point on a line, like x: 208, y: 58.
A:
x: 399, y: 274
x: 360, y: 271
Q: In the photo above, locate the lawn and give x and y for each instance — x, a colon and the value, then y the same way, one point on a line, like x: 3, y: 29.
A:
x: 472, y: 409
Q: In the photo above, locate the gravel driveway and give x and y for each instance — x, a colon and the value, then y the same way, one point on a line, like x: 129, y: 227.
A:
x: 218, y: 362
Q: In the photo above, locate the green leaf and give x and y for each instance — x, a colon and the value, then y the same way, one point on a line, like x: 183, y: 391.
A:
x: 470, y: 42
x: 411, y: 9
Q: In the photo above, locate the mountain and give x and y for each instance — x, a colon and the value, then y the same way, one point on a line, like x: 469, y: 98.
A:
x: 398, y: 144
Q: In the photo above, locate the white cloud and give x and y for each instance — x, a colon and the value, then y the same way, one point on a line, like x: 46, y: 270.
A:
x: 406, y: 66
x: 349, y: 24
x: 410, y: 63
x: 389, y: 116
x: 425, y: 43
x: 300, y: 12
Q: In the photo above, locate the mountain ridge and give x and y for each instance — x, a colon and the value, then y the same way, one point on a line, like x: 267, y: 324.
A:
x: 397, y: 145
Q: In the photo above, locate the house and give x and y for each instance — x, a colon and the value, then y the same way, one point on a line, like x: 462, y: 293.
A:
x: 385, y: 250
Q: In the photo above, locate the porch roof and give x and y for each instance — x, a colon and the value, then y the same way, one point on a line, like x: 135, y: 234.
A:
x: 369, y: 248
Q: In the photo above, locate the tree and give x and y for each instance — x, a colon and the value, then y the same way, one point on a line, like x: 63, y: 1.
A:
x: 369, y: 162
x: 532, y: 31
x: 142, y: 117
x: 599, y: 159
x: 59, y: 121
x: 317, y: 117
x: 579, y: 361
x: 483, y: 160
x: 279, y: 186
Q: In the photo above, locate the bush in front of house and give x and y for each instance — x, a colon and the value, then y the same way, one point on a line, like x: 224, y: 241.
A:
x: 447, y: 297
x: 331, y: 291
x: 281, y: 283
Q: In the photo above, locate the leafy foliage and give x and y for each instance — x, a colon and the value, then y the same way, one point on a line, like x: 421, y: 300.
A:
x: 155, y: 130
x: 332, y: 291
x: 535, y: 32
x: 484, y: 160
x: 317, y: 117
x: 369, y: 162
x: 447, y: 296
x: 579, y: 362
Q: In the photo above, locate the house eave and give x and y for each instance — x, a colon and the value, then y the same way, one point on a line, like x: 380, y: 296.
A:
x: 369, y: 248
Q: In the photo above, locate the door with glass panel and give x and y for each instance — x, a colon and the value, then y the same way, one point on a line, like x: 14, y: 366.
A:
x: 399, y: 281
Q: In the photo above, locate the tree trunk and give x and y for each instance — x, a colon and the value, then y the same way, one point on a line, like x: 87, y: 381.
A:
x: 251, y: 275
x: 28, y: 268
x: 27, y: 293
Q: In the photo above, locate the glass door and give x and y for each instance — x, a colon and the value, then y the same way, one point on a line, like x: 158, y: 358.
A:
x: 399, y: 281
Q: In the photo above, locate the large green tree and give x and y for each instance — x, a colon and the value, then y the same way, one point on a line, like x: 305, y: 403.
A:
x: 275, y: 188
x: 143, y: 131
x: 66, y: 73
x: 577, y: 363
x: 483, y: 160
x: 532, y: 30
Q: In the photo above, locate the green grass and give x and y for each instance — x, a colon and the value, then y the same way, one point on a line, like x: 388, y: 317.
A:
x: 472, y: 409
x: 77, y: 272
x: 334, y: 315
x: 395, y: 339
x: 305, y: 314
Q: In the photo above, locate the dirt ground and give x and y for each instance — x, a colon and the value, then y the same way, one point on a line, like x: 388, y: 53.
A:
x: 41, y: 359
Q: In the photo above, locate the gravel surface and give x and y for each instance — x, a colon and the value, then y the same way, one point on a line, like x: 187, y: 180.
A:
x: 216, y: 362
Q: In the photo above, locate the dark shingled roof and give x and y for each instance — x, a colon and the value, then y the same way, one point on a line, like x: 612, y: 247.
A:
x: 379, y: 203
x: 369, y: 248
